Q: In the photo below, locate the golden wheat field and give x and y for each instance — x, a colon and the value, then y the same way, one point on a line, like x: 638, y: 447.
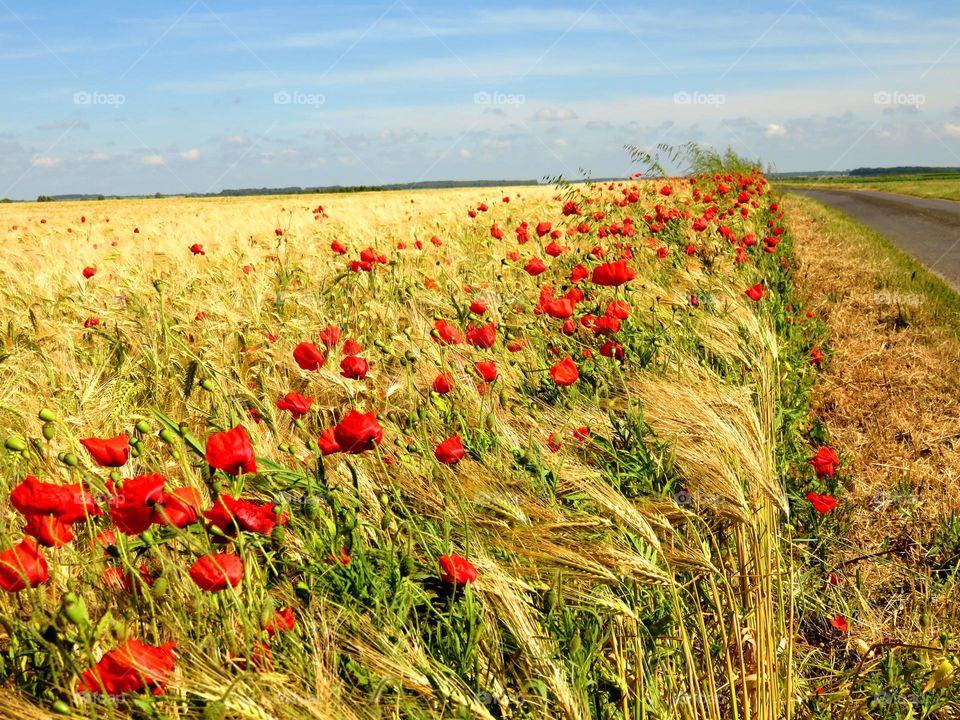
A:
x: 518, y: 452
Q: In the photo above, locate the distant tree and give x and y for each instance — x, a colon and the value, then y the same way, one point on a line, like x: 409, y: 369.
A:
x: 100, y: 197
x: 44, y: 198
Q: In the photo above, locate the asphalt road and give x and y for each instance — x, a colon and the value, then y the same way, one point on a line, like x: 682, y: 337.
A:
x: 927, y: 229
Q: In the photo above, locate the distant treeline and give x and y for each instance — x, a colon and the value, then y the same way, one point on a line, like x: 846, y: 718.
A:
x: 904, y: 170
x: 296, y: 190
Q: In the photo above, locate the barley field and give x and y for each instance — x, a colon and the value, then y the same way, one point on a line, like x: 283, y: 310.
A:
x: 521, y: 452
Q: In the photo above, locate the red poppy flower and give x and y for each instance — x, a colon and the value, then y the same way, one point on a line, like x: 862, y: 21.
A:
x: 487, y: 370
x: 840, y: 623
x: 338, y: 247
x: 578, y: 273
x: 283, y: 620
x: 297, y: 405
x: 816, y: 356
x: 231, y: 452
x: 108, y: 452
x: 354, y: 368
x: 89, y: 272
x: 822, y: 503
x: 618, y: 309
x: 213, y: 573
x: 825, y: 462
x: 535, y: 267
x: 482, y: 337
x: 446, y: 334
x: 457, y: 570
x: 358, y: 432
x: 543, y: 228
x: 48, y: 530
x: 180, y: 507
x: 756, y: 292
x: 130, y: 668
x: 352, y: 347
x: 91, y: 322
x: 330, y: 336
x: 561, y: 308
x: 22, y: 566
x: 565, y: 372
x: 197, y: 249
x: 611, y: 349
x: 68, y: 503
x: 450, y: 451
x: 308, y: 356
x: 230, y: 514
x: 443, y: 383
x: 552, y: 443
x: 613, y: 274
x: 554, y: 250
x: 582, y: 432
x: 495, y: 232
x: 328, y: 442
x: 477, y: 307
x: 132, y: 505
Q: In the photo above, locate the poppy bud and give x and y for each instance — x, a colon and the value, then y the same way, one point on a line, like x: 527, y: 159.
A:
x: 143, y: 426
x: 61, y: 708
x: 69, y: 459
x: 160, y: 586
x: 207, y: 384
x: 15, y: 444
x: 48, y: 431
x: 216, y: 710
x: 167, y: 435
x: 46, y: 415
x: 267, y: 611
x: 75, y: 610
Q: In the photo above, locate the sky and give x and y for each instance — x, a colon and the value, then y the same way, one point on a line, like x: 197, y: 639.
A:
x: 200, y: 95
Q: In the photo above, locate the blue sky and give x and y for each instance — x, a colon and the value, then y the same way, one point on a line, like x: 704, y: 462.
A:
x: 120, y: 97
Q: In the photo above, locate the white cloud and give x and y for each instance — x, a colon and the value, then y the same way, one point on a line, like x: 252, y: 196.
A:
x: 561, y: 142
x: 236, y: 140
x: 555, y: 114
x: 775, y: 130
x: 153, y: 160
x: 464, y: 153
x: 191, y: 154
x: 952, y: 129
x: 42, y: 161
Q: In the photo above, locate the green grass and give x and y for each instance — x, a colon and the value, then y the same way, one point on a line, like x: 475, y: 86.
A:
x: 932, y: 185
x: 901, y: 275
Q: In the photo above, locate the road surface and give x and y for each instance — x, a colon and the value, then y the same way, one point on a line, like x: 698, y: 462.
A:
x: 928, y: 229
